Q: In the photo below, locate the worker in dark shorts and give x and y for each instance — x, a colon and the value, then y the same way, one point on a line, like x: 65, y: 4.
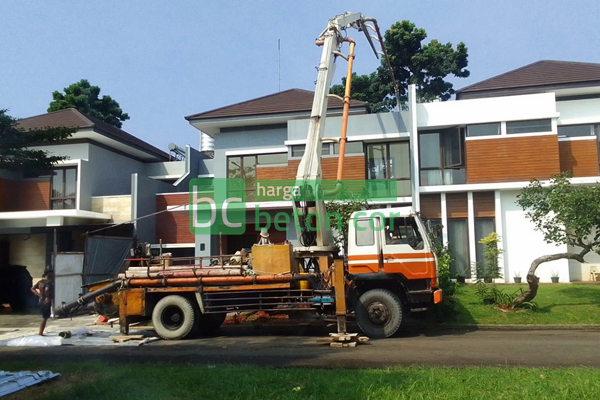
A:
x: 44, y: 289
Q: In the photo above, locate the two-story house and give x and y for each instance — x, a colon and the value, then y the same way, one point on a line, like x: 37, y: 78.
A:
x: 462, y: 162
x: 109, y: 177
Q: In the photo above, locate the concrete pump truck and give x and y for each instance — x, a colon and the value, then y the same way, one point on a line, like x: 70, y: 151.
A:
x: 391, y: 270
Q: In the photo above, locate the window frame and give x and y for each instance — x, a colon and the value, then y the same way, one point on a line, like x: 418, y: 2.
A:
x: 388, y: 166
x: 508, y: 123
x: 62, y: 199
x: 241, y: 157
x: 461, y: 132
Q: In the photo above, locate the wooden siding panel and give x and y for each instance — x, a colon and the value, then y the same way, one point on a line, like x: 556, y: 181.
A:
x: 173, y: 227
x: 456, y: 205
x: 512, y: 159
x: 354, y: 168
x: 9, y: 195
x: 34, y: 195
x: 272, y: 172
x: 484, y: 204
x: 579, y: 156
x: 431, y: 206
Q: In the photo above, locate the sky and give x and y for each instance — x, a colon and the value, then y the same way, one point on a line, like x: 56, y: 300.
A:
x: 164, y: 60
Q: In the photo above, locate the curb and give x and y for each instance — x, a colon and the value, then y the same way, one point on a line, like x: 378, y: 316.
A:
x: 486, y: 327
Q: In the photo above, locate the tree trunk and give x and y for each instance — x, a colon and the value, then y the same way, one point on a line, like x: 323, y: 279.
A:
x: 533, y: 280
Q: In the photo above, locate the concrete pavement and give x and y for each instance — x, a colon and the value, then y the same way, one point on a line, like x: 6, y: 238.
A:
x: 296, y: 347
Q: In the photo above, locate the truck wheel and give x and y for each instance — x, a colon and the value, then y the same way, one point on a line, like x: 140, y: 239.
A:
x: 379, y: 313
x: 173, y: 317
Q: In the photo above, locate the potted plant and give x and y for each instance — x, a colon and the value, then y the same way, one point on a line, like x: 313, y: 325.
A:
x: 517, y: 277
x: 554, y: 277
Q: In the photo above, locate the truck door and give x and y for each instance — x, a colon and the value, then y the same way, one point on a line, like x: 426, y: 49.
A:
x: 364, y: 246
x: 405, y: 251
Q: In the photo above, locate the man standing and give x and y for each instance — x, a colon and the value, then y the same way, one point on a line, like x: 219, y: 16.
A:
x: 44, y: 289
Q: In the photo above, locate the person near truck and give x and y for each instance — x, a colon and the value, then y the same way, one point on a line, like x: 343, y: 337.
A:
x: 44, y: 289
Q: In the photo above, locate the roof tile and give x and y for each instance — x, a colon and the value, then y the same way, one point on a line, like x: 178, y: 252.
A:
x: 289, y: 101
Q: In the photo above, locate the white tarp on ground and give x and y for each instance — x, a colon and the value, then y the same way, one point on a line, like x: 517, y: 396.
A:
x: 11, y: 382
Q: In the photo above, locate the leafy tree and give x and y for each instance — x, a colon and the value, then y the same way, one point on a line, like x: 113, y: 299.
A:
x: 412, y: 62
x: 339, y: 213
x: 84, y: 97
x: 564, y: 214
x: 15, y: 143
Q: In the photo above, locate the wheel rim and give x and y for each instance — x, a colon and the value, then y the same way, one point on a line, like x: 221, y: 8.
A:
x: 172, y: 318
x: 378, y: 312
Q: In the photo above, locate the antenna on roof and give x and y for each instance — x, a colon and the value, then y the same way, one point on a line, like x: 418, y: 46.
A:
x: 279, y: 62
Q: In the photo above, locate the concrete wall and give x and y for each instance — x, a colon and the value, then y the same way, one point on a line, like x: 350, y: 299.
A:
x: 30, y: 253
x: 578, y: 111
x: 117, y: 206
x: 509, y: 108
x: 522, y: 243
x: 358, y: 125
x: 581, y: 272
x: 143, y: 202
x: 244, y: 140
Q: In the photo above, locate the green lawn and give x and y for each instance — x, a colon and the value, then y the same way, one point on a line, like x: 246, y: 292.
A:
x: 558, y: 304
x: 98, y: 381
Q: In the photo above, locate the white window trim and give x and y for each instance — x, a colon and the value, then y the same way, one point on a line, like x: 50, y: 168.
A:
x: 252, y: 152
x: 575, y: 138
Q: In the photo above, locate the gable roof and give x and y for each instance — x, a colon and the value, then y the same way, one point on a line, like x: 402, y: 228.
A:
x: 544, y: 73
x: 73, y: 118
x: 289, y: 101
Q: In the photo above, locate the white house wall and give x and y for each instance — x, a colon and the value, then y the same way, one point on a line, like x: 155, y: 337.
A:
x: 575, y: 112
x: 522, y: 243
x: 475, y: 111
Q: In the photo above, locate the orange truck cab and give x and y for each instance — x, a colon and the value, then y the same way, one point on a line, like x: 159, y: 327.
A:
x: 392, y: 268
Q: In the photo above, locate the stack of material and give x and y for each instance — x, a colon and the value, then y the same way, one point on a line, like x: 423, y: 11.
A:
x: 11, y: 382
x: 344, y: 340
x: 179, y: 271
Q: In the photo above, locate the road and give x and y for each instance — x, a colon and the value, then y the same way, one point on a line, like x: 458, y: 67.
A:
x: 285, y: 347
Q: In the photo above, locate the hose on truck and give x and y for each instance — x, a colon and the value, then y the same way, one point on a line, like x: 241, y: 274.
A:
x: 65, y: 309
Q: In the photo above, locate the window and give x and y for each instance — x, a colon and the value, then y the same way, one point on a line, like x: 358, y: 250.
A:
x: 538, y: 125
x: 330, y: 149
x: 390, y: 161
x: 270, y: 159
x: 442, y: 160
x: 364, y: 233
x: 351, y: 148
x: 244, y: 167
x: 483, y: 129
x: 577, y: 130
x: 403, y: 231
x: 458, y: 241
x: 483, y: 227
x: 63, y: 193
x: 298, y: 150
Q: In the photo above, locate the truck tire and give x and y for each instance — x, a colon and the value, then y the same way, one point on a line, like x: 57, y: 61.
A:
x: 378, y: 313
x: 173, y: 317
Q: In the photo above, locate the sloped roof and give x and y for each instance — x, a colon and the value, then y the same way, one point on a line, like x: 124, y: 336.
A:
x: 73, y: 118
x: 289, y: 101
x: 538, y: 74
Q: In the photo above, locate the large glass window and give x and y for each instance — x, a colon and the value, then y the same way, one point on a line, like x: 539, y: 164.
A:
x: 351, y: 148
x: 64, y: 189
x: 532, y: 126
x: 577, y: 130
x: 458, y: 241
x: 442, y: 160
x: 390, y: 161
x: 483, y: 129
x: 483, y: 228
x: 244, y: 167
